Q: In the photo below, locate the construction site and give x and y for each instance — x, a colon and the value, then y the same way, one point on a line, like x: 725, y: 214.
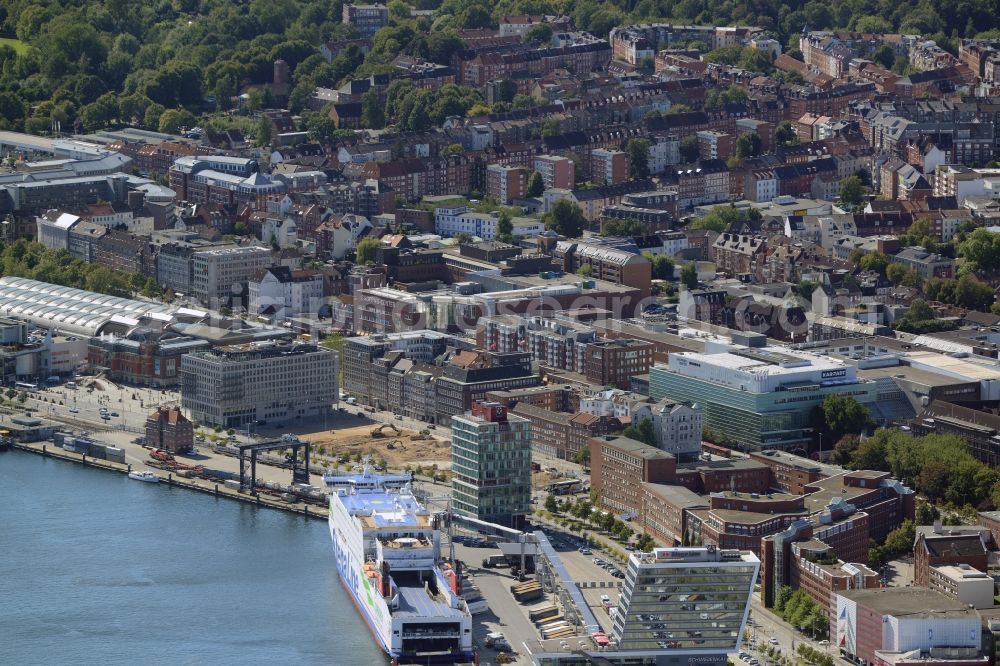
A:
x: 398, y: 448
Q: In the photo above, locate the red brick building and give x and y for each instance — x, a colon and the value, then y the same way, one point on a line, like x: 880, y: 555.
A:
x: 790, y: 473
x: 619, y: 466
x: 817, y: 570
x: 939, y: 545
x: 168, y: 429
x: 615, y: 362
x: 665, y: 510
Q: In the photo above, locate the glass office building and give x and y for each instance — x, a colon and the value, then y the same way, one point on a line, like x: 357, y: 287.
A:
x: 685, y: 601
x: 761, y: 398
x: 491, y: 465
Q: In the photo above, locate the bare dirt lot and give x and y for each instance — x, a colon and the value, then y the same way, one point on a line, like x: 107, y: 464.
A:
x: 358, y: 441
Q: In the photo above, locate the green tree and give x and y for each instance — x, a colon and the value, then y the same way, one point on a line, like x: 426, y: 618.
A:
x: 642, y: 432
x: 896, y: 273
x: 172, y: 120
x: 842, y: 414
x: 981, y: 249
x: 689, y: 150
x: 372, y: 110
x: 565, y: 219
x: 885, y: 56
x: 900, y: 540
x: 662, y: 266
x: 637, y: 151
x: 919, y: 310
x: 852, y: 192
x: 874, y: 261
x: 540, y: 33
x: 621, y: 228
x: 721, y: 218
x: 784, y: 134
x: 506, y: 90
x: 582, y: 456
x: 748, y: 145
x: 926, y: 513
x: 689, y: 275
x: 645, y: 543
x: 921, y: 234
x: 755, y: 60
x: 263, y: 135
x: 535, y: 184
x: 505, y: 228
x: 551, y: 505
x: 365, y: 251
x: 876, y: 556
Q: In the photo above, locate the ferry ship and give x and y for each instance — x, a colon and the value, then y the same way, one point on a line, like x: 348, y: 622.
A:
x: 388, y: 554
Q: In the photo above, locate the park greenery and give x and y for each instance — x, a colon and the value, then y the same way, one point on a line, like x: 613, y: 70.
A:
x: 721, y: 218
x: 584, y: 509
x: 939, y: 467
x: 26, y: 259
x: 99, y: 63
x: 920, y: 318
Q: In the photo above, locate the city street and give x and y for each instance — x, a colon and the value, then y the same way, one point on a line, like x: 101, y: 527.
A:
x: 764, y: 625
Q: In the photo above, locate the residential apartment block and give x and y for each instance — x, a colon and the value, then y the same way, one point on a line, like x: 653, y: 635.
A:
x: 557, y: 172
x: 504, y: 184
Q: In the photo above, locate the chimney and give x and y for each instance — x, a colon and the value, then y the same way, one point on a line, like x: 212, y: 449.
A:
x: 937, y: 527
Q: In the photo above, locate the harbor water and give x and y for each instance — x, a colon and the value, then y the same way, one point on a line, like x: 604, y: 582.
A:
x: 99, y: 569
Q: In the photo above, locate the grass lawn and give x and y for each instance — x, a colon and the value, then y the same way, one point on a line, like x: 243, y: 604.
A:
x: 15, y: 44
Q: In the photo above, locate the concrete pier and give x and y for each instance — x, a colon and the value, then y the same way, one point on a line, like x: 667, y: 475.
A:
x: 49, y: 450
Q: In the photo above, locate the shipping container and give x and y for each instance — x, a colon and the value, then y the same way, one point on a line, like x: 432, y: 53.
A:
x: 231, y: 483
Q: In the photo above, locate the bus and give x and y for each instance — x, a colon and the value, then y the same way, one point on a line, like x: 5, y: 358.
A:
x: 567, y: 487
x: 716, y: 450
x: 26, y: 385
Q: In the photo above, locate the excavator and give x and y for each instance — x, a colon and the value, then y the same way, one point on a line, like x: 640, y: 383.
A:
x: 377, y: 432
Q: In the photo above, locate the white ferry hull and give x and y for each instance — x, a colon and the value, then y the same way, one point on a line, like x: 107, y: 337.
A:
x: 387, y: 559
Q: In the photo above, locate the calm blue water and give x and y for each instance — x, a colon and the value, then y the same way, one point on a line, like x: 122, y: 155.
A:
x: 98, y: 569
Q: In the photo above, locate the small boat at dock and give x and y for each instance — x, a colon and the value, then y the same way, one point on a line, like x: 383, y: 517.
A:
x: 148, y: 477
